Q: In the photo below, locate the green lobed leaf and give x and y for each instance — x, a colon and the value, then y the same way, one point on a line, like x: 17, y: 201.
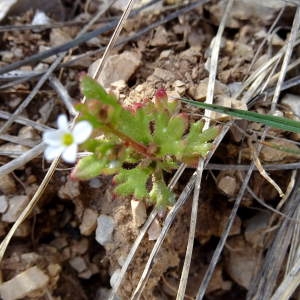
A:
x: 133, y: 182
x: 91, y: 89
x: 161, y: 195
x: 168, y: 133
x: 88, y: 167
x: 136, y: 125
x: 196, y: 141
x: 269, y: 120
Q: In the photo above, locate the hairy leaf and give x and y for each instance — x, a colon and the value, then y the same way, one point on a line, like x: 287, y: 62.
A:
x: 133, y: 182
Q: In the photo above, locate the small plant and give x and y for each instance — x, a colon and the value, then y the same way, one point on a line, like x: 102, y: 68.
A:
x: 138, y: 143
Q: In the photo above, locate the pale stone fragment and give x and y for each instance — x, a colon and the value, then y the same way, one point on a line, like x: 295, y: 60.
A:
x: 78, y: 264
x: 114, y: 277
x: 139, y: 214
x: 7, y: 184
x: 227, y: 184
x: 117, y: 67
x: 3, y: 204
x: 16, y: 204
x: 89, y: 222
x: 69, y: 190
x: 105, y: 228
x: 25, y: 283
x: 154, y: 230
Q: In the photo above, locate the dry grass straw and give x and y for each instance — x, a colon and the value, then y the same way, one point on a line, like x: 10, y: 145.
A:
x: 209, y: 99
x: 255, y: 83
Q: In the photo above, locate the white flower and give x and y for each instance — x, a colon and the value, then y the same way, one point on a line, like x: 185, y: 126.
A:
x: 63, y: 141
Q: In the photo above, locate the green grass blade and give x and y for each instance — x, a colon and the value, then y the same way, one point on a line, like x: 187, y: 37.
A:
x: 272, y: 121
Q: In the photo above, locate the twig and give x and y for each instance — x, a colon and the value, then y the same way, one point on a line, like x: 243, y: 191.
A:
x: 262, y: 286
x: 63, y: 93
x: 286, y: 59
x: 24, y: 121
x: 274, y: 167
x: 22, y: 160
x: 209, y: 99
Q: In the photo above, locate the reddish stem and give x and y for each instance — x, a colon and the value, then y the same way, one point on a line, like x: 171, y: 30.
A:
x: 138, y: 147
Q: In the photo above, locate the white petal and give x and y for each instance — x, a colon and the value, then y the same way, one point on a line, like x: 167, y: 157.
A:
x: 52, y: 152
x: 53, y: 137
x: 69, y: 154
x: 62, y: 122
x: 82, y: 131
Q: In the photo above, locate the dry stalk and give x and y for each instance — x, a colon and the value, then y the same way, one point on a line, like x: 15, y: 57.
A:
x: 209, y: 99
x: 265, y: 281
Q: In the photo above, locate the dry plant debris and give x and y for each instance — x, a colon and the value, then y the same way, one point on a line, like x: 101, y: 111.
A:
x: 76, y: 240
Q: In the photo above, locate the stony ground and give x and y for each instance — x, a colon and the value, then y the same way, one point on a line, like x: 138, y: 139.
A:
x: 57, y: 246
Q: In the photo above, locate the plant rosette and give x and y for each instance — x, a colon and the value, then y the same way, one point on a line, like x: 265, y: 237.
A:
x: 136, y: 144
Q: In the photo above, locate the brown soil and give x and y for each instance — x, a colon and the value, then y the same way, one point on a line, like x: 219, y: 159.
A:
x: 172, y: 56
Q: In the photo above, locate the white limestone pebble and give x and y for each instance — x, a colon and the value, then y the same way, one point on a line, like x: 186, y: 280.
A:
x: 25, y: 283
x: 105, y: 228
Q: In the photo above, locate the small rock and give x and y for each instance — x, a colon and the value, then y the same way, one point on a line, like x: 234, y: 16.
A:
x: 7, y: 184
x: 241, y: 261
x: 78, y: 264
x: 104, y: 293
x: 227, y: 184
x: 255, y: 228
x: 226, y: 101
x: 199, y: 92
x: 16, y: 204
x: 160, y: 37
x: 80, y: 247
x: 43, y: 66
x: 40, y: 18
x: 121, y: 260
x: 69, y: 190
x: 49, y: 60
x: 59, y: 243
x: 89, y: 222
x: 114, y: 277
x: 87, y: 274
x: 3, y: 204
x: 269, y: 154
x: 105, y: 228
x: 19, y: 287
x: 28, y: 132
x: 154, y: 230
x: 293, y: 102
x: 54, y: 8
x: 117, y: 67
x: 54, y: 269
x: 7, y: 56
x: 139, y: 214
x: 59, y: 36
x: 180, y: 87
x: 30, y: 258
x: 162, y: 74
x: 95, y: 183
x: 93, y: 42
